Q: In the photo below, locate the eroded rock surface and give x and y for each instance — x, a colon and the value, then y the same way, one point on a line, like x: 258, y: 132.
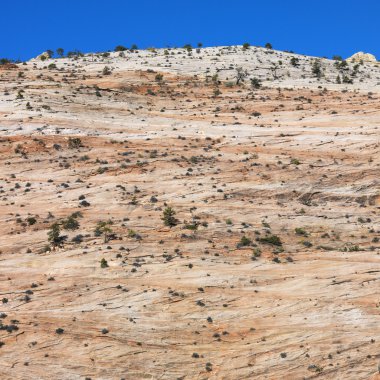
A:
x: 362, y: 57
x: 272, y: 270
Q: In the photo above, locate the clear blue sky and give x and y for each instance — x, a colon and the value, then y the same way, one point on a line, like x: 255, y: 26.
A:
x: 321, y: 28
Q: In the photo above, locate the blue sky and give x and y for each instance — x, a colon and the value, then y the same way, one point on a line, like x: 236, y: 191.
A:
x: 321, y: 28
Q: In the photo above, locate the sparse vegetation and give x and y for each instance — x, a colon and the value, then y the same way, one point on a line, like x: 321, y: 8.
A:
x: 183, y: 204
x: 169, y: 218
x: 104, y: 228
x: 54, y: 235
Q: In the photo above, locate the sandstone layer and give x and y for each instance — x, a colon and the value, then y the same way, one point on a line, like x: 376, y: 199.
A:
x: 273, y: 269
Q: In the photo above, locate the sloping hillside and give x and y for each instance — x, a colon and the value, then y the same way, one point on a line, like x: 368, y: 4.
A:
x: 267, y: 268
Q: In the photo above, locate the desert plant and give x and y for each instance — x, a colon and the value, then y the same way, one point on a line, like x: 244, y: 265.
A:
x: 294, y: 61
x: 75, y: 142
x: 216, y: 92
x: 103, y: 228
x: 54, y: 237
x: 77, y: 239
x: 60, y: 52
x: 103, y: 263
x: 240, y: 75
x: 300, y: 231
x: 169, y: 217
x: 106, y: 70
x: 271, y: 239
x: 255, y: 83
x: 341, y: 65
x: 158, y: 78
x: 316, y: 68
x: 295, y: 161
x: 70, y: 223
x: 4, y: 61
x: 244, y: 242
x: 347, y: 80
x: 31, y: 220
x: 120, y: 48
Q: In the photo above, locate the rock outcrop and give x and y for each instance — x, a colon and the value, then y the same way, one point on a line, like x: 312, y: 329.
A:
x: 362, y: 57
x: 42, y: 56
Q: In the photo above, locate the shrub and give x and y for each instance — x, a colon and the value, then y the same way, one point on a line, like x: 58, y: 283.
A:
x: 106, y: 70
x: 271, y: 239
x: 316, y: 68
x: 54, y: 237
x: 4, y: 61
x: 294, y: 61
x: 295, y: 161
x: 159, y: 78
x: 169, y: 217
x: 244, y: 242
x: 300, y: 231
x: 103, y: 263
x: 217, y: 92
x: 60, y: 52
x: 77, y: 239
x: 75, y: 143
x: 75, y: 54
x: 255, y: 83
x: 132, y: 233
x: 347, y: 80
x: 120, y: 48
x: 193, y: 226
x: 103, y: 228
x: 77, y: 214
x: 341, y: 65
x: 240, y: 75
x: 70, y: 223
x: 31, y: 220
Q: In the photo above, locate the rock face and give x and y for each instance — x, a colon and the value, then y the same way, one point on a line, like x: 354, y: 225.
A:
x: 360, y: 56
x: 272, y: 271
x: 43, y: 56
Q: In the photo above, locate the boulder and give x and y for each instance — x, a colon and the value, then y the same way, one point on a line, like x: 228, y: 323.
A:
x: 42, y: 57
x: 365, y: 57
